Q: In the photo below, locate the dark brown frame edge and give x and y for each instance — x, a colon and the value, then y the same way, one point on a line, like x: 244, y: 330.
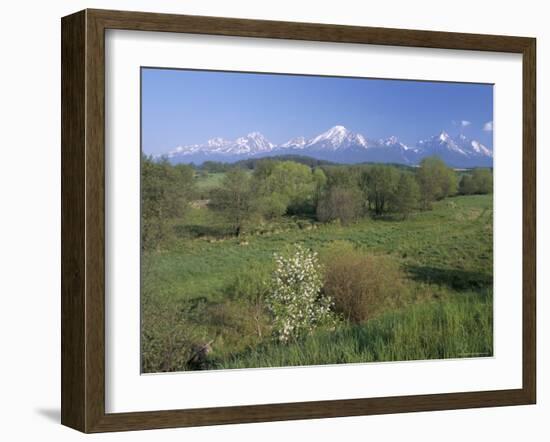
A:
x: 83, y: 216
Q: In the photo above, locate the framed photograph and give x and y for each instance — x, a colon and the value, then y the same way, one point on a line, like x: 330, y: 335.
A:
x: 267, y: 220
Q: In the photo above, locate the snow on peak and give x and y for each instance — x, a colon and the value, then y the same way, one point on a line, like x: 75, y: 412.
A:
x: 336, y: 133
x: 461, y: 146
x: 297, y: 143
x: 253, y: 142
x: 339, y: 143
x: 338, y: 128
x: 444, y: 136
x: 361, y: 140
x: 337, y: 137
x: 217, y: 142
x: 480, y: 148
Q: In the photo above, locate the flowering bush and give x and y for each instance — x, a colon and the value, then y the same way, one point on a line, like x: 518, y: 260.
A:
x: 295, y: 300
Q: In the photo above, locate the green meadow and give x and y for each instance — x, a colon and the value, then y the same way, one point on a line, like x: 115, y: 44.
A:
x: 428, y: 293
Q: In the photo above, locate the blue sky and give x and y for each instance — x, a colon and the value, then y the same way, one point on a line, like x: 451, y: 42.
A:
x: 181, y: 107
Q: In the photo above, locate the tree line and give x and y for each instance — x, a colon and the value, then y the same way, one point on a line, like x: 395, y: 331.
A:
x: 278, y: 187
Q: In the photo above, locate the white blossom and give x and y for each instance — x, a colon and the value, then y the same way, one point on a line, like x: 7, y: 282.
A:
x: 295, y: 301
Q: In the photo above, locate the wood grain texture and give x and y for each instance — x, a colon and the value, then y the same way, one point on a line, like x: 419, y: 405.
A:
x: 73, y: 130
x: 529, y: 220
x: 83, y: 220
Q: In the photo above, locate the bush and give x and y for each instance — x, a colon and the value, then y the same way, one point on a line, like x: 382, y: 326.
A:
x: 361, y: 285
x: 167, y: 336
x: 295, y: 299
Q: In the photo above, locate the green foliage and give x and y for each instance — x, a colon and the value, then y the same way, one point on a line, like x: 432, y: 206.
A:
x: 340, y: 203
x: 283, y: 187
x: 165, y: 193
x: 251, y: 286
x: 215, y: 167
x: 361, y: 285
x: 407, y: 194
x: 381, y: 184
x: 234, y: 199
x: 343, y: 176
x: 320, y: 182
x: 167, y: 335
x: 271, y: 206
x: 480, y: 181
x: 466, y: 185
x: 252, y: 163
x: 436, y: 181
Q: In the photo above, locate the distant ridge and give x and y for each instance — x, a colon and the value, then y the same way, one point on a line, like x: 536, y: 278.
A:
x: 339, y: 145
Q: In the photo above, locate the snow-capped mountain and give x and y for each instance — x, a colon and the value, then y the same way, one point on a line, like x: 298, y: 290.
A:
x: 457, y: 151
x: 295, y: 143
x: 337, y: 138
x: 221, y: 149
x: 340, y: 145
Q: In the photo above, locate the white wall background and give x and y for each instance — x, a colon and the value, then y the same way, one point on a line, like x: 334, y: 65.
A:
x: 30, y: 217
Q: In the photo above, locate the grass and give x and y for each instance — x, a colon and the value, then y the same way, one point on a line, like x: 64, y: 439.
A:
x: 446, y: 253
x: 209, y: 181
x: 458, y: 328
x: 429, y: 243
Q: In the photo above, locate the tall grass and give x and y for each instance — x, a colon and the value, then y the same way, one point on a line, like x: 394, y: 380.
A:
x: 457, y: 328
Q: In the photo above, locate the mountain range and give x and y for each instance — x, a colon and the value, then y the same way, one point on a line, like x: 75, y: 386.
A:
x: 340, y: 145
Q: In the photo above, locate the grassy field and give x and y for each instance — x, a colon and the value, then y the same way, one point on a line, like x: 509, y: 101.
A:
x: 202, y: 288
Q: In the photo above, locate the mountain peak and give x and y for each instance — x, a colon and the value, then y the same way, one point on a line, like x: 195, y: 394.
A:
x: 340, y: 145
x: 444, y: 136
x: 216, y: 142
x: 255, y: 135
x: 254, y: 142
x: 335, y: 137
x: 297, y: 142
x: 390, y: 140
x: 335, y: 131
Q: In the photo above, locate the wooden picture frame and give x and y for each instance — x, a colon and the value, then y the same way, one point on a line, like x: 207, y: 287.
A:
x: 83, y: 220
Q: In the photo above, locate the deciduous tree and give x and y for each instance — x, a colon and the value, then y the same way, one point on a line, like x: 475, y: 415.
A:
x: 234, y: 199
x: 407, y: 194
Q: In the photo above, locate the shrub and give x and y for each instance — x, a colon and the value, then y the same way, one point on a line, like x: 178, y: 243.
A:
x: 167, y: 336
x: 295, y: 300
x: 361, y: 285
